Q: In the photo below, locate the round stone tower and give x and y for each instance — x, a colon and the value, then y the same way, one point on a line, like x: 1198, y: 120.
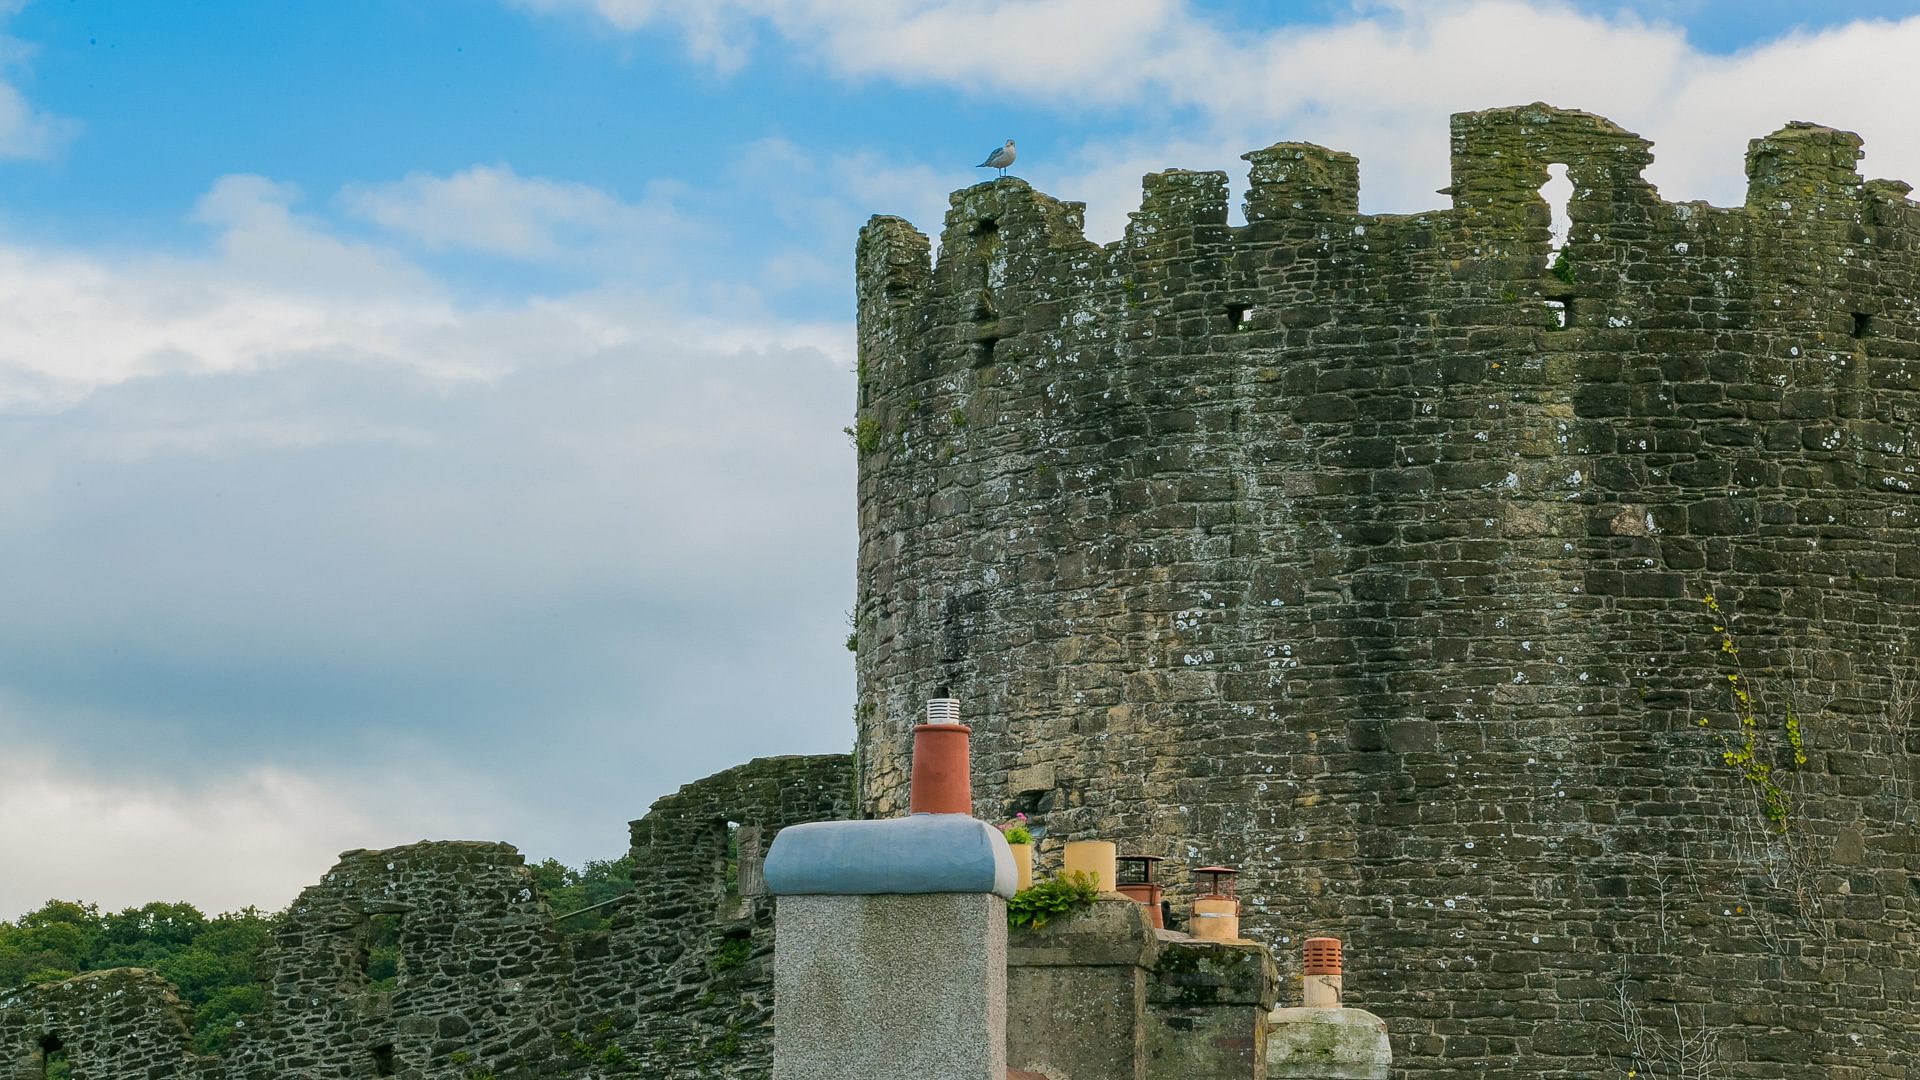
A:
x: 1542, y: 624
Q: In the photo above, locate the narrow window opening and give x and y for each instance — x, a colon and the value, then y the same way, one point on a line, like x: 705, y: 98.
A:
x: 53, y: 1058
x: 380, y: 952
x: 383, y: 1064
x: 733, y: 902
x: 1239, y: 316
x: 1558, y: 193
x: 1862, y: 324
x: 983, y: 352
x: 731, y: 875
x: 1560, y: 312
x: 993, y: 268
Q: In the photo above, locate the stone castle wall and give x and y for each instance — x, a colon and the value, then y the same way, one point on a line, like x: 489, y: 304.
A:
x: 1321, y: 547
x: 1367, y: 553
x: 487, y: 988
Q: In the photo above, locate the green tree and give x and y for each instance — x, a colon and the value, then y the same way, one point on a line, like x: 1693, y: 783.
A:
x: 213, y: 963
x: 52, y: 943
x: 567, y: 890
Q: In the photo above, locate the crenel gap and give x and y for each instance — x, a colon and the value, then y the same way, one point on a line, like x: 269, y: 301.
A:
x: 1557, y: 192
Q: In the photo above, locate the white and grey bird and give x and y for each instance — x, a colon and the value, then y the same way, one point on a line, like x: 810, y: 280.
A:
x: 999, y: 159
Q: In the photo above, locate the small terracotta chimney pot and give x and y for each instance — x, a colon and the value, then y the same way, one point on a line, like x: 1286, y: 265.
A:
x: 1215, y: 913
x: 1322, y: 956
x: 1323, y: 985
x: 1137, y: 884
x: 942, y: 776
x: 1097, y: 857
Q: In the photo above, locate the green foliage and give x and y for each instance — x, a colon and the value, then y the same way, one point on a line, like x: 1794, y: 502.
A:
x: 732, y: 953
x: 383, y: 953
x: 1754, y: 748
x: 597, y: 1049
x: 213, y: 962
x: 865, y: 434
x: 957, y: 418
x: 1040, y: 903
x: 567, y: 890
x: 1562, y: 267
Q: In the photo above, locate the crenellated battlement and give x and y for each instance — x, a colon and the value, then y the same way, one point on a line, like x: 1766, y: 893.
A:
x: 1371, y: 547
x: 1007, y: 250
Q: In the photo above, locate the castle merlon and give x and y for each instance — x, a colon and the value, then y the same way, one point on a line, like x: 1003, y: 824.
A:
x: 1014, y: 261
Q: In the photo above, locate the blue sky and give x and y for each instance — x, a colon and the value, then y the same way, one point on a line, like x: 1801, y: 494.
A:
x: 423, y: 418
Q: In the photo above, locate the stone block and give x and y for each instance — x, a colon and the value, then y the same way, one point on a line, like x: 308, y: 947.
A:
x: 1077, y: 989
x: 1327, y: 1044
x: 882, y: 987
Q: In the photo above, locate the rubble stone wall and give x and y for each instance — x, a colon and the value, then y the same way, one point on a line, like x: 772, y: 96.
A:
x: 1369, y: 553
x: 487, y: 988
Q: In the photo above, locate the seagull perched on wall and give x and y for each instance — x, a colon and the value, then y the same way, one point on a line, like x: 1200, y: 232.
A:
x: 999, y: 159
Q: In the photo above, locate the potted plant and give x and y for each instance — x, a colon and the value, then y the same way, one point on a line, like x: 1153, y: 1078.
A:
x: 1020, y: 839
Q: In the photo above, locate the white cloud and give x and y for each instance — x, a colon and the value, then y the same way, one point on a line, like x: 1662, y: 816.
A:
x: 255, y: 839
x: 294, y: 496
x: 25, y: 131
x: 1378, y: 84
x: 1076, y: 47
x: 494, y: 210
x: 280, y: 287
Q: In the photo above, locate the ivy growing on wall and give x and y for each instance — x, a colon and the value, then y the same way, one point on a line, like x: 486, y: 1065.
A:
x: 1758, y: 744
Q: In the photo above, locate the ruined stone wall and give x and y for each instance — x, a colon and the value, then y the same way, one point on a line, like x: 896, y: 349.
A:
x: 693, y: 953
x: 1320, y: 546
x: 125, y: 1023
x: 483, y: 980
x: 487, y: 987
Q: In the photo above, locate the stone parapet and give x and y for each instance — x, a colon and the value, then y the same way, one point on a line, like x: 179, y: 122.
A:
x: 1370, y: 551
x: 1102, y: 995
x: 1327, y: 1044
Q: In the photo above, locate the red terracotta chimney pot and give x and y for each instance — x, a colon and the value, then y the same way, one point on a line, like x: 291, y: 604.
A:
x: 1322, y: 956
x: 942, y: 778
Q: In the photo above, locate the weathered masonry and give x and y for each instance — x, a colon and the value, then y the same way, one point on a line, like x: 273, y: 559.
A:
x: 1370, y: 552
x: 679, y: 985
x: 1375, y: 550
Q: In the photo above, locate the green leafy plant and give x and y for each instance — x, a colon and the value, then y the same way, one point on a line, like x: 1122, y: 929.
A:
x: 597, y: 1049
x: 732, y: 953
x: 1562, y: 267
x: 1016, y: 831
x: 865, y: 434
x: 1042, y: 902
x: 1749, y: 747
